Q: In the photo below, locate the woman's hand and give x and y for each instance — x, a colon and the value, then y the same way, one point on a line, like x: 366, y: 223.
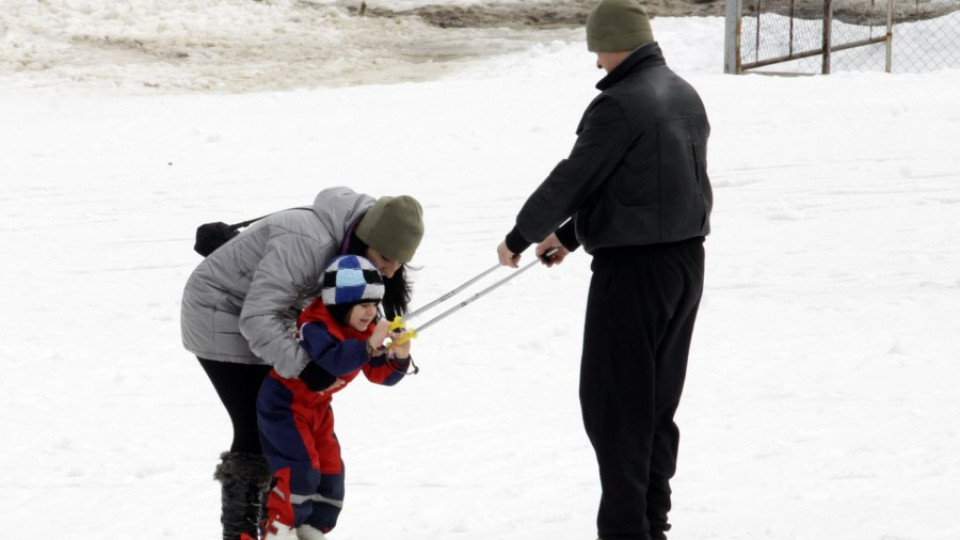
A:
x: 336, y: 384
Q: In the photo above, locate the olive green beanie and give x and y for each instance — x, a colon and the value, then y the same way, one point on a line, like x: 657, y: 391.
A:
x: 618, y: 25
x: 393, y: 226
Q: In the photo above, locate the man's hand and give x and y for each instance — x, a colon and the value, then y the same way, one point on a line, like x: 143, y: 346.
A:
x: 552, y: 242
x: 507, y: 257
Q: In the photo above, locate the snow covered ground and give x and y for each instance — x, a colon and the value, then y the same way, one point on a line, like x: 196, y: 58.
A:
x: 822, y: 396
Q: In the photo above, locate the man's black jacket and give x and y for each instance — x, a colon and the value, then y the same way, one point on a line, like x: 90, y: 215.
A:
x: 637, y: 174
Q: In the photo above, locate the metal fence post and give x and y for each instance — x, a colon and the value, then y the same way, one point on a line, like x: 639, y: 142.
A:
x: 827, y: 26
x: 889, y: 65
x: 731, y: 38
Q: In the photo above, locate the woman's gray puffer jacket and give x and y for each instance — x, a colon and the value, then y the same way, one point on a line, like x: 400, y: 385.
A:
x: 241, y: 302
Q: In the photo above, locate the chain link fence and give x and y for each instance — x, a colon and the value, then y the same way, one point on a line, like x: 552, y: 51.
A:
x: 821, y: 36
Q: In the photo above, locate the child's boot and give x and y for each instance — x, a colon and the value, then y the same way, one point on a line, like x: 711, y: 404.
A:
x: 279, y: 517
x: 278, y: 531
x: 243, y: 477
x: 308, y: 532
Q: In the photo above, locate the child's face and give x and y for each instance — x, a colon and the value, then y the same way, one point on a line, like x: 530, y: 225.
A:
x: 361, y: 315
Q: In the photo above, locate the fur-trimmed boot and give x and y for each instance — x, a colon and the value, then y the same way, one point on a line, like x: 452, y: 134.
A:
x: 243, y: 477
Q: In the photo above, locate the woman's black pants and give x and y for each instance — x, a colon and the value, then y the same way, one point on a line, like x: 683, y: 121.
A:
x: 238, y: 386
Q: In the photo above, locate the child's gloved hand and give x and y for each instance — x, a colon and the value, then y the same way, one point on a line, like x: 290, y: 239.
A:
x: 379, y: 335
x: 401, y: 351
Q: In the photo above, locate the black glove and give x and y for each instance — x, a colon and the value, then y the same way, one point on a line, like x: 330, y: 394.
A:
x: 316, y: 378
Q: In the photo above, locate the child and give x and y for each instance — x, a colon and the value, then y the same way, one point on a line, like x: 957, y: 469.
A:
x: 341, y: 333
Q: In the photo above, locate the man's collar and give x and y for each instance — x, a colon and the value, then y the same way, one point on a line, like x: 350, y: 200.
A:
x: 646, y: 54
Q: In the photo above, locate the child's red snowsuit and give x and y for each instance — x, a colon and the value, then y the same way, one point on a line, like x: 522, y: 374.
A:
x: 296, y: 424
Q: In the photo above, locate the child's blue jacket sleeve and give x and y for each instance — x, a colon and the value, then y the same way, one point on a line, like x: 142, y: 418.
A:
x: 337, y: 357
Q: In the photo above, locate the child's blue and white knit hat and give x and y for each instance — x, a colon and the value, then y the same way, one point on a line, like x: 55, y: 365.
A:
x: 350, y: 279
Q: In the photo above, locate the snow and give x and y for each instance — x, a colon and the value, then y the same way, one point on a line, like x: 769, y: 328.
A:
x: 821, y: 400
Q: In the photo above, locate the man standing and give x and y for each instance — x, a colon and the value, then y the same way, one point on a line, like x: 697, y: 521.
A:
x: 635, y: 193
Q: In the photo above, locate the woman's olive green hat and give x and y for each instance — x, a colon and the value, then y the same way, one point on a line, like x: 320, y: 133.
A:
x: 618, y: 25
x: 393, y: 226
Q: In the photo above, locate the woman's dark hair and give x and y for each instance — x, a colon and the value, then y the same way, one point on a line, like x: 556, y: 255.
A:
x: 397, y: 290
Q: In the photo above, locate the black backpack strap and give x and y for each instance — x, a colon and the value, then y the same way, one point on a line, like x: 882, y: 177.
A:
x: 249, y: 222
x: 211, y: 236
x: 243, y: 224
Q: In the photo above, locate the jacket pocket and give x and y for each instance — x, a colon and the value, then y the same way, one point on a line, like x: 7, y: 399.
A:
x: 682, y: 153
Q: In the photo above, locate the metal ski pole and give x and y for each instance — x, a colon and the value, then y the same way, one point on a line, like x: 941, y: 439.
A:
x: 450, y: 294
x: 462, y: 304
x: 400, y: 322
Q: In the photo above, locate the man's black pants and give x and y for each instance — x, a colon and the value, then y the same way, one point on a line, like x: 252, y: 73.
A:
x: 641, y: 311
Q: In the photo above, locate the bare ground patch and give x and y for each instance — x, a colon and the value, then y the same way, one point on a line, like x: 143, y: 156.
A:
x: 529, y: 15
x: 521, y: 15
